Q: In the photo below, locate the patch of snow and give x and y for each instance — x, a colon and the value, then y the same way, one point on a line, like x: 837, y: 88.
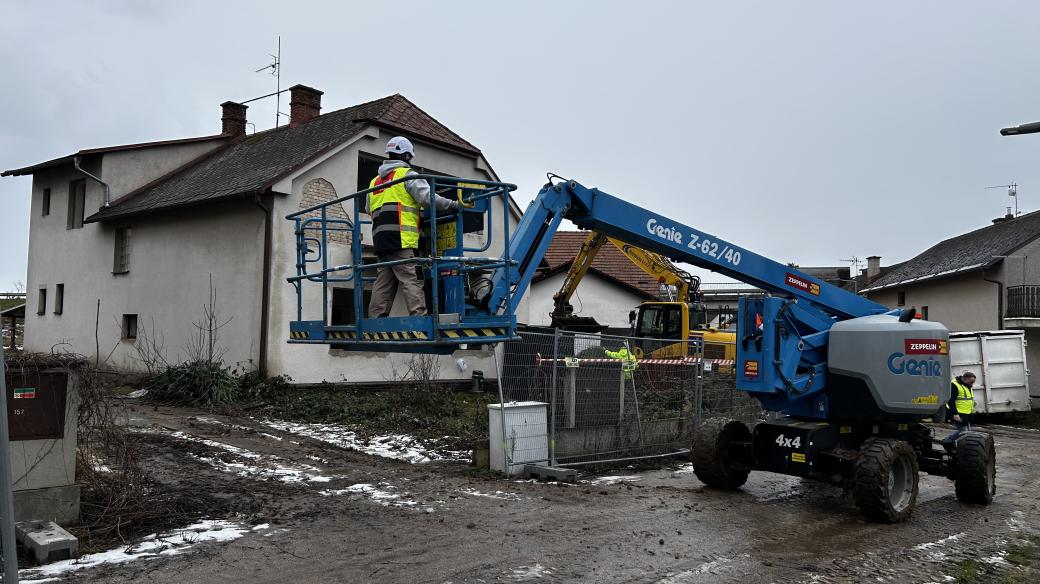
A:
x: 501, y: 495
x: 380, y: 494
x: 150, y: 547
x: 271, y: 436
x: 395, y: 446
x: 683, y: 469
x: 137, y: 393
x: 613, y: 480
x: 930, y: 545
x: 273, y: 467
x: 528, y: 573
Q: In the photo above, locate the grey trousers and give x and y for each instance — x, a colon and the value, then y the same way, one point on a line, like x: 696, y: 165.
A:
x: 384, y: 290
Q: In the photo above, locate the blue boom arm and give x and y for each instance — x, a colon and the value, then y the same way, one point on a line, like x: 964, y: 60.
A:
x: 782, y: 339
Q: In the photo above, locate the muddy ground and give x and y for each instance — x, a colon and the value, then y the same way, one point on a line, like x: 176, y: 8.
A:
x: 443, y: 522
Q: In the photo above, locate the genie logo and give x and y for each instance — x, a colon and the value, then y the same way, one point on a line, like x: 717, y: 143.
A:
x: 899, y: 364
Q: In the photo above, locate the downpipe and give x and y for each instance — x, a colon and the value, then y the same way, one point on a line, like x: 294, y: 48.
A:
x: 1000, y: 300
x: 108, y: 190
x: 265, y: 281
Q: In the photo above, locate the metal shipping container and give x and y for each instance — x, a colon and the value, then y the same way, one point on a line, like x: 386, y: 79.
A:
x: 998, y: 359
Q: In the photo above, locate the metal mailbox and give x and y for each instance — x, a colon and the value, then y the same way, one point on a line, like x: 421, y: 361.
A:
x: 36, y: 404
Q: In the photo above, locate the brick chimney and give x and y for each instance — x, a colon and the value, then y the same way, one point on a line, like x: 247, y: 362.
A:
x: 304, y: 104
x: 233, y: 119
x: 873, y: 267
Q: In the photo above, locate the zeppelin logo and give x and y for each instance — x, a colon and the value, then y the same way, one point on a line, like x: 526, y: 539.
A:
x: 925, y: 347
x: 803, y: 284
x: 751, y: 369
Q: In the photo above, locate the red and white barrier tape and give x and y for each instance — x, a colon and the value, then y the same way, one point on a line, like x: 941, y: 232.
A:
x: 683, y: 361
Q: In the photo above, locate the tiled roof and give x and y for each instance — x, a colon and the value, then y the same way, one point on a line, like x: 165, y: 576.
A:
x: 252, y: 164
x: 976, y: 250
x: 610, y: 263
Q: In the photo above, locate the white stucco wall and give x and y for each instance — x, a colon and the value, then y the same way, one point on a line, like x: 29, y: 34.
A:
x: 316, y: 363
x: 127, y: 170
x: 595, y: 296
x: 966, y: 303
x: 172, y: 255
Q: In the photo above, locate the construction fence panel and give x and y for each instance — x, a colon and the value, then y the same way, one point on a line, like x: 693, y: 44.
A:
x: 608, y: 398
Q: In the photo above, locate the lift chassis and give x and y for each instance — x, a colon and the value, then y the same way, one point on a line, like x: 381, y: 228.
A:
x: 849, y: 380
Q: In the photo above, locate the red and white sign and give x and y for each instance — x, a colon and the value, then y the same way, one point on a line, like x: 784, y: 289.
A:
x: 751, y: 369
x: 802, y: 284
x: 925, y: 347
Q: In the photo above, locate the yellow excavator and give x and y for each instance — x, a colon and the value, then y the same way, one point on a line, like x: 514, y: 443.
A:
x: 682, y: 317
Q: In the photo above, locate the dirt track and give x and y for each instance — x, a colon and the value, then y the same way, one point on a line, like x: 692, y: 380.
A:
x: 440, y: 523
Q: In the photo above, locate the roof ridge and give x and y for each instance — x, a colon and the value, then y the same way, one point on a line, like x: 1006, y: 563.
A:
x: 426, y: 113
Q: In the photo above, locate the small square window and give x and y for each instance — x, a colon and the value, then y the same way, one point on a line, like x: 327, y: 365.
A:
x: 41, y: 302
x: 129, y: 327
x: 901, y: 298
x: 59, y: 298
x: 924, y: 313
x: 46, y: 207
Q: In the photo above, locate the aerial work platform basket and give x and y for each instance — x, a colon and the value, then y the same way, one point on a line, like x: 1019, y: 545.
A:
x: 458, y: 252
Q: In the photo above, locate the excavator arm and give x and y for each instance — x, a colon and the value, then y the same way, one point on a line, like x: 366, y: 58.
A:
x: 654, y: 264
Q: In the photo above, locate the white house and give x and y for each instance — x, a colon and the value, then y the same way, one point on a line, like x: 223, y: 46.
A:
x: 199, y: 215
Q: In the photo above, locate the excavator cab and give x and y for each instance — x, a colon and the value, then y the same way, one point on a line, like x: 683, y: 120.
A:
x: 684, y: 322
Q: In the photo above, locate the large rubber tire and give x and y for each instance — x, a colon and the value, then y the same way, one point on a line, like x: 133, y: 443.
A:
x: 885, y: 480
x: 717, y: 461
x: 976, y: 469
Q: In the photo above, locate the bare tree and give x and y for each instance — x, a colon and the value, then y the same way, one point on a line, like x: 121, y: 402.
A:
x: 19, y: 287
x: 205, y: 345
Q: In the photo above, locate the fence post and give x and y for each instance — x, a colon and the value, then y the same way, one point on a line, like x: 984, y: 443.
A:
x: 552, y: 402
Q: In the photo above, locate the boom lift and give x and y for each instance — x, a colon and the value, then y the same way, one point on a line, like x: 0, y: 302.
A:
x: 682, y: 317
x: 851, y: 379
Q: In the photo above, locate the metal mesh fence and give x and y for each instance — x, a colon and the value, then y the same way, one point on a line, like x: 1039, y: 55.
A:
x: 605, y: 398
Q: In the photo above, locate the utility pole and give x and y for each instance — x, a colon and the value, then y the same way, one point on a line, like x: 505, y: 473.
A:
x: 10, y: 548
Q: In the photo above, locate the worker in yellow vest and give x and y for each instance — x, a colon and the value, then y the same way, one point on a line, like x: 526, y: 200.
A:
x: 962, y: 404
x: 395, y: 229
x: 628, y: 362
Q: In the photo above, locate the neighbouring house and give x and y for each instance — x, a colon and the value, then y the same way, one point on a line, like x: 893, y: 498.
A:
x: 987, y: 279
x: 200, y: 222
x: 611, y: 288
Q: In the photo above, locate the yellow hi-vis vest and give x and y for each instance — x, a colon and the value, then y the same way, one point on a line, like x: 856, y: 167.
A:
x: 628, y: 363
x: 395, y: 214
x: 965, y: 401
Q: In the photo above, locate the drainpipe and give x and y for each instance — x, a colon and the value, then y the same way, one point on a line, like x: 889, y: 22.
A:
x: 1000, y: 300
x: 108, y: 191
x: 265, y: 295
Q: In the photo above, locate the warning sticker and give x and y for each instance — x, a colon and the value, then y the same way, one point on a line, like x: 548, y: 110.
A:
x: 25, y: 393
x: 797, y: 457
x: 802, y: 284
x: 751, y: 369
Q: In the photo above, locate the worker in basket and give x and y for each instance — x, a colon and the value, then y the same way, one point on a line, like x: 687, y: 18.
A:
x: 395, y: 212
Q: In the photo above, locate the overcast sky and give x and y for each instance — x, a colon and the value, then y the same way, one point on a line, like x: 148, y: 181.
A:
x: 808, y: 132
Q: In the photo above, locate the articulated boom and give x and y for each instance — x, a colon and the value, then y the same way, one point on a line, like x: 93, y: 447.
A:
x: 783, y: 350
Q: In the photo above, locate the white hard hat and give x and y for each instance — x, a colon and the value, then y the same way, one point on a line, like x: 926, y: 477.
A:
x: 400, y: 145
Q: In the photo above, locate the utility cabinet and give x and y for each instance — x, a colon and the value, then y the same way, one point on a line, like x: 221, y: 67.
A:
x: 998, y: 359
x: 526, y: 438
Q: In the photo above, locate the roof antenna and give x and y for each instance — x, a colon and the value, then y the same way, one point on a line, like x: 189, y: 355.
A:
x: 276, y: 71
x: 1012, y: 193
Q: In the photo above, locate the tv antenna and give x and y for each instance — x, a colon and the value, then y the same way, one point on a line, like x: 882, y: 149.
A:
x: 276, y: 70
x: 854, y: 264
x: 1012, y: 191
